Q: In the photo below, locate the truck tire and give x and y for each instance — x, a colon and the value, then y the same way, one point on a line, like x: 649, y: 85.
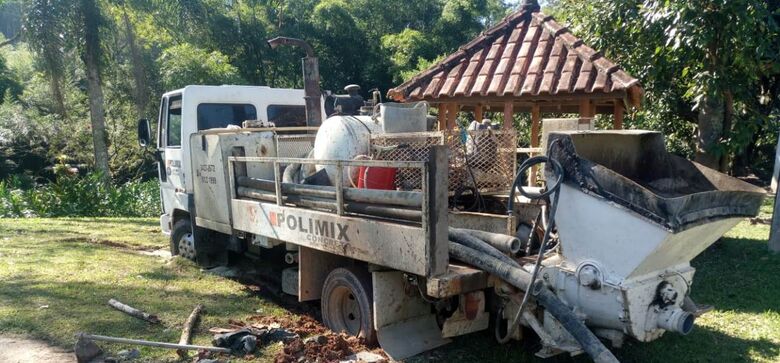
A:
x: 183, y: 240
x: 347, y: 303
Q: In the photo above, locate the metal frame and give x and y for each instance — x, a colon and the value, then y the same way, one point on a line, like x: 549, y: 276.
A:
x: 423, y: 248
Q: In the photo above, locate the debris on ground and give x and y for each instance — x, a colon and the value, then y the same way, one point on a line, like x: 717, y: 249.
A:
x: 129, y: 310
x: 128, y: 354
x: 304, y: 339
x: 189, y: 326
x: 86, y: 350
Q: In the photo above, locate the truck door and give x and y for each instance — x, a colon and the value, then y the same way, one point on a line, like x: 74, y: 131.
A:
x: 169, y: 145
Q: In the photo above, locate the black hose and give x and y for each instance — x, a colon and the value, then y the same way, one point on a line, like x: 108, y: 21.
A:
x: 468, y: 240
x: 521, y: 279
x: 553, y: 190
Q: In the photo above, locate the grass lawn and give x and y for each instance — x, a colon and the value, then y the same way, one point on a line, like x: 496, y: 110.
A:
x: 75, y: 265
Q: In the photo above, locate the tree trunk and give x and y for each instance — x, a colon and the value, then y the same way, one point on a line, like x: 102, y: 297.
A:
x: 55, y: 86
x: 138, y: 68
x: 710, y: 131
x: 91, y: 56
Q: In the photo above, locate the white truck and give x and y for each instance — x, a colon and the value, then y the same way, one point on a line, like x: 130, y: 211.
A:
x: 409, y: 236
x: 192, y: 109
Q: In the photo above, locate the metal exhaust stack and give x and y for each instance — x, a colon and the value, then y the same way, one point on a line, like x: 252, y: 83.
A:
x: 311, y: 78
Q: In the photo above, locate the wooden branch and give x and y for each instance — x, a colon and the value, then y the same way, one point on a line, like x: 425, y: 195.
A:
x: 129, y: 310
x: 186, y: 333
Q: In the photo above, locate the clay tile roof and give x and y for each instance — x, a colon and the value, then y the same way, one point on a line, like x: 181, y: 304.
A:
x: 526, y: 55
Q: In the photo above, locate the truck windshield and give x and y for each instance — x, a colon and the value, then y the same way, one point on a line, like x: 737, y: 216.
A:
x: 220, y: 115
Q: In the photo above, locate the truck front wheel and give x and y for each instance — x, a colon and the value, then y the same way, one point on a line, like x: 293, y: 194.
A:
x: 347, y: 303
x: 182, y: 240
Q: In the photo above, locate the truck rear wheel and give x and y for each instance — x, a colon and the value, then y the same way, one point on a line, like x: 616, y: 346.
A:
x: 182, y: 240
x: 347, y: 303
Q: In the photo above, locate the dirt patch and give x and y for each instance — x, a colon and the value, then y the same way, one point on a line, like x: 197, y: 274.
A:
x: 315, y: 343
x: 17, y: 349
x: 109, y: 243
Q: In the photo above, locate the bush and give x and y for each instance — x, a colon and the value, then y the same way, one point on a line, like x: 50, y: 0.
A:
x: 78, y: 196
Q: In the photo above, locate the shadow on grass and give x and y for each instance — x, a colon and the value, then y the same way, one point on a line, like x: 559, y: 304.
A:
x: 738, y: 274
x: 702, y: 345
x: 82, y: 307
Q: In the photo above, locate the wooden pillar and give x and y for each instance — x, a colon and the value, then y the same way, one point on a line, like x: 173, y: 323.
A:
x: 774, y: 229
x: 509, y: 118
x: 617, y: 113
x: 536, y: 125
x: 442, y: 118
x: 586, y: 108
x: 452, y: 115
x: 478, y: 113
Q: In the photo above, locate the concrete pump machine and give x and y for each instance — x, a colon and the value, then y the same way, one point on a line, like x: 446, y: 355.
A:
x: 409, y: 236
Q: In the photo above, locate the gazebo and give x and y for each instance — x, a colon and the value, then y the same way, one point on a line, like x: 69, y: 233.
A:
x: 526, y: 63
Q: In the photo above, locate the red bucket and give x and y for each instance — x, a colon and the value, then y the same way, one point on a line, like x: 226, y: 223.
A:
x: 376, y: 178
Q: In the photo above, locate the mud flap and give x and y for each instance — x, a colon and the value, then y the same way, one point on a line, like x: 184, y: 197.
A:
x: 411, y: 337
x: 404, y: 323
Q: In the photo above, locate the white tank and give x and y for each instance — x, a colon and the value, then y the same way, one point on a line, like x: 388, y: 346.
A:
x: 344, y: 138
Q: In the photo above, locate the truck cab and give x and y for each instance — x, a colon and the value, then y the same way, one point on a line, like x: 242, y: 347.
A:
x: 191, y: 109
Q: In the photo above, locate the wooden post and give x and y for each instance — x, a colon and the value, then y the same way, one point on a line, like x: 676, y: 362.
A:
x: 586, y: 108
x: 509, y: 116
x: 536, y: 123
x: 617, y: 113
x: 774, y: 229
x: 442, y: 118
x: 452, y: 116
x: 478, y: 113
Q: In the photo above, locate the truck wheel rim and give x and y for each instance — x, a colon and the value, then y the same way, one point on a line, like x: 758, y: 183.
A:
x: 187, y: 246
x: 345, y: 311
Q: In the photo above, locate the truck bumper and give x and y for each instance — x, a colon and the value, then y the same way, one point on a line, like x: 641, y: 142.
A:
x: 165, y: 224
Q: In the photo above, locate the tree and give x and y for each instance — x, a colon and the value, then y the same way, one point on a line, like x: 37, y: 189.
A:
x: 45, y: 32
x: 714, y: 64
x: 182, y: 65
x: 90, y: 19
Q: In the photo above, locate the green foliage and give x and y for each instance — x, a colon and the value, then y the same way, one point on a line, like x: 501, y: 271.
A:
x: 185, y: 64
x: 71, y: 196
x: 726, y: 53
x: 9, y: 87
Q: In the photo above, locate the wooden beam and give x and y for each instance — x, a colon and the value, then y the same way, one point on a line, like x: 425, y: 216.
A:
x: 586, y: 109
x: 774, y: 229
x: 442, y: 118
x: 478, y: 115
x: 509, y: 114
x: 617, y: 122
x: 536, y: 125
x: 452, y: 116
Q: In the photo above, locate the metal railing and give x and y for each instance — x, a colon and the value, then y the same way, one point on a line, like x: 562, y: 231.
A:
x: 280, y: 196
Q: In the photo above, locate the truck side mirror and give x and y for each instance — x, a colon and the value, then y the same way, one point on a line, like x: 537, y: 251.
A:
x: 144, y: 133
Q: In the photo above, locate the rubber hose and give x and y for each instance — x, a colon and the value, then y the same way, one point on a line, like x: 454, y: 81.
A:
x: 502, y: 242
x: 522, y: 279
x: 466, y: 239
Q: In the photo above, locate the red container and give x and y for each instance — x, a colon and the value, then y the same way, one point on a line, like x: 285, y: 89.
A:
x: 376, y: 178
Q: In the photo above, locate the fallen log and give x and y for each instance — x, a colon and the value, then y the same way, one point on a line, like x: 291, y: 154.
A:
x: 186, y: 333
x: 129, y: 310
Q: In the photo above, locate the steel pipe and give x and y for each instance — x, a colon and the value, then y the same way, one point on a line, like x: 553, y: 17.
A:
x: 151, y: 344
x: 330, y: 205
x: 374, y: 196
